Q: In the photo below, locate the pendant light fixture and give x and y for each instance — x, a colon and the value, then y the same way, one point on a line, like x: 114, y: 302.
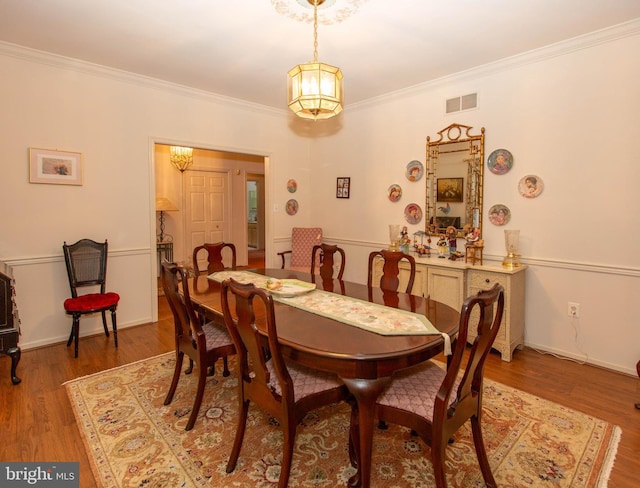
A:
x: 314, y: 89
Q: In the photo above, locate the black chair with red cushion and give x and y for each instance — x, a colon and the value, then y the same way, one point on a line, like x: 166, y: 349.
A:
x: 86, y: 262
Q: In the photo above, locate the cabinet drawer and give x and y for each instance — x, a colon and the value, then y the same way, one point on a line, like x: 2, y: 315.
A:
x: 483, y: 280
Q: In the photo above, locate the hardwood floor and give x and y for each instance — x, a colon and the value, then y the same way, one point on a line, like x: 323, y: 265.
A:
x: 38, y: 424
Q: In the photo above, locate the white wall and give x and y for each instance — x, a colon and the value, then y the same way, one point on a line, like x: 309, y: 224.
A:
x: 570, y: 117
x: 568, y: 114
x: 113, y: 119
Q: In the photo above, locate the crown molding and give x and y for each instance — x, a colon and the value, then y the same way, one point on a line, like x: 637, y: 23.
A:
x: 562, y: 48
x: 92, y: 69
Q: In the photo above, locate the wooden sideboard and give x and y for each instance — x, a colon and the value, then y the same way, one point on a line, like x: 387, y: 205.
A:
x: 9, y: 324
x: 451, y: 282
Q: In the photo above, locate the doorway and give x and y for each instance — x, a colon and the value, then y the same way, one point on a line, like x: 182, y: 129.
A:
x: 226, y: 208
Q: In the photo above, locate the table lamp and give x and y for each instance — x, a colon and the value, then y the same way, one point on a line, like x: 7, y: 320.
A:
x: 164, y: 205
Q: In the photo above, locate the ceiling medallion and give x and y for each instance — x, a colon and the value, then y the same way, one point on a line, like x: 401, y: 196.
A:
x: 329, y: 12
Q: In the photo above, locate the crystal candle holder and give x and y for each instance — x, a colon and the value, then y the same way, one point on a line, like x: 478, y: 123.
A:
x: 512, y: 244
x: 394, y: 237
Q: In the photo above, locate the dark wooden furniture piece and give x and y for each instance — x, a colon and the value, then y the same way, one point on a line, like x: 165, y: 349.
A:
x: 283, y: 388
x: 363, y: 360
x: 214, y: 257
x: 638, y: 371
x: 435, y: 403
x: 86, y: 262
x: 9, y: 326
x: 389, y: 280
x: 326, y: 254
x: 204, y: 343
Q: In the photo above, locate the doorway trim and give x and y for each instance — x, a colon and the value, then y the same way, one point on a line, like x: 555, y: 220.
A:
x: 154, y: 271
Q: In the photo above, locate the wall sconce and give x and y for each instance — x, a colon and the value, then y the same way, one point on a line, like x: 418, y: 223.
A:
x: 181, y: 157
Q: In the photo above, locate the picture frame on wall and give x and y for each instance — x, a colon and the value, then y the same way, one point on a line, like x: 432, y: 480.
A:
x: 343, y: 187
x: 55, y: 167
x: 450, y: 190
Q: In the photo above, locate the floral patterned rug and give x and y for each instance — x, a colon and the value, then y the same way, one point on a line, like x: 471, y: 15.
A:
x: 133, y: 440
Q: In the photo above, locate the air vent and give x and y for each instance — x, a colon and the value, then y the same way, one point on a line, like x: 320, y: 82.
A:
x: 464, y: 102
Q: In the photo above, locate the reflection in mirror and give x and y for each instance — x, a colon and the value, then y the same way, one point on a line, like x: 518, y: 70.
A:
x: 455, y: 162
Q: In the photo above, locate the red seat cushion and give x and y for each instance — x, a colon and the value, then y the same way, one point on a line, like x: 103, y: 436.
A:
x: 92, y: 301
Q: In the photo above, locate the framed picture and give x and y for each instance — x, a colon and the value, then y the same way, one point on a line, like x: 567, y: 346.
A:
x: 343, y: 186
x: 450, y: 190
x: 55, y: 167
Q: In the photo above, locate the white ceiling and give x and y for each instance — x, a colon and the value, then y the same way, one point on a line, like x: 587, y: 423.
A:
x: 244, y: 48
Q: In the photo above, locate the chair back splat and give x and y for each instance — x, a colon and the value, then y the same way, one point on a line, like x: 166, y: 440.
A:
x: 215, y: 259
x: 436, y: 403
x: 284, y: 389
x: 203, y: 343
x: 390, y: 278
x: 325, y: 254
x: 86, y: 263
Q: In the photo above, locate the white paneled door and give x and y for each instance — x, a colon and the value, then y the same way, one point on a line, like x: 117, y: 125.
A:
x: 207, y: 208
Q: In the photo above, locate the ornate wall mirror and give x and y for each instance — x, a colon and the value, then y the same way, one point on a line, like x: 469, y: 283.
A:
x: 455, y: 163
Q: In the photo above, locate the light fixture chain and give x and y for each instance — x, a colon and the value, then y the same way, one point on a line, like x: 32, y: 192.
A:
x: 315, y: 31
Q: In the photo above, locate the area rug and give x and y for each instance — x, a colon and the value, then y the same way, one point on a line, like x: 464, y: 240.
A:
x: 133, y: 440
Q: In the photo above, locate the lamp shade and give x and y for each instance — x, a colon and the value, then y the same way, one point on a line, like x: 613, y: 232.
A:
x: 165, y: 205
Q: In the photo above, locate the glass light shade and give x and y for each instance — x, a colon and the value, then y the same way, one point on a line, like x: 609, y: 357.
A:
x: 181, y: 157
x: 512, y: 245
x: 394, y: 237
x: 314, y: 90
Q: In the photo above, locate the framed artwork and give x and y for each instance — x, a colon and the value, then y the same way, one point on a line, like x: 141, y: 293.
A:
x: 450, y: 190
x: 343, y: 187
x: 530, y: 186
x: 55, y: 167
x: 292, y: 186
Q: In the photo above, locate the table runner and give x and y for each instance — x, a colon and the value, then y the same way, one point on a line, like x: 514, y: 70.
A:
x: 352, y: 311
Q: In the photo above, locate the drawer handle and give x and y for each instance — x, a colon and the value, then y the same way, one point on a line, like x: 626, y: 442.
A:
x: 487, y: 280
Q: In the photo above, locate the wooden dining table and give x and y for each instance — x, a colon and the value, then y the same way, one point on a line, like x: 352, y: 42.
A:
x: 364, y: 360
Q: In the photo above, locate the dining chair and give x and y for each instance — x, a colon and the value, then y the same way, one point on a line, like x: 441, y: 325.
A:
x: 284, y: 389
x: 302, y: 241
x: 435, y: 403
x: 203, y: 343
x: 389, y: 280
x: 86, y: 262
x: 326, y: 255
x: 214, y: 255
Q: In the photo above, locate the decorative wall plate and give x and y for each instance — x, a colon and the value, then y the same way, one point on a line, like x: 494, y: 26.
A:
x: 394, y: 192
x: 530, y: 186
x: 500, y: 161
x: 415, y: 170
x: 499, y: 214
x: 292, y: 186
x: 292, y: 207
x: 413, y: 213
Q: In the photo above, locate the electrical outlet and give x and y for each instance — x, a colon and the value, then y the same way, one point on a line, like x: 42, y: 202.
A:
x: 573, y: 310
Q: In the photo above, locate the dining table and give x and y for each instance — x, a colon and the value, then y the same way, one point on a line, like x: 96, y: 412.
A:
x: 363, y: 359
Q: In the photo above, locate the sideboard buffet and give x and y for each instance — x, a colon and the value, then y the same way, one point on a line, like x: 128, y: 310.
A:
x: 451, y: 282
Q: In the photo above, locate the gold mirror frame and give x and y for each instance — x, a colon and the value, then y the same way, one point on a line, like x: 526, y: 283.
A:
x: 456, y: 161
